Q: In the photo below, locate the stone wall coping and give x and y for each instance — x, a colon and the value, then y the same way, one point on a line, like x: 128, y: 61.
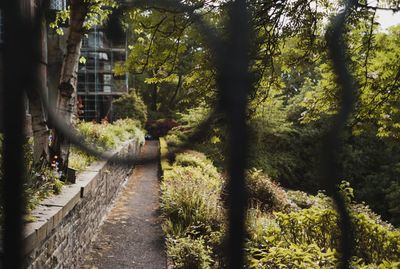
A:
x: 52, y: 210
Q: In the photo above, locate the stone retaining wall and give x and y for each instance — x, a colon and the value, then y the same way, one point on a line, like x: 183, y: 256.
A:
x: 66, y: 223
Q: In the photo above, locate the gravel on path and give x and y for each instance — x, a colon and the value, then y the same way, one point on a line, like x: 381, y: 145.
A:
x: 131, y: 236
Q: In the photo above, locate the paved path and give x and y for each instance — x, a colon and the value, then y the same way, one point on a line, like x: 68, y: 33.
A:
x: 131, y: 236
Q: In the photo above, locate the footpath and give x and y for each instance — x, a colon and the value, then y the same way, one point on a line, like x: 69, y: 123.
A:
x: 131, y: 236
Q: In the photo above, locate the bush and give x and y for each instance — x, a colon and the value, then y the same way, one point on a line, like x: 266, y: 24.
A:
x: 194, y: 116
x: 290, y: 233
x: 79, y: 160
x: 374, y: 242
x: 292, y: 256
x: 189, y: 253
x: 284, y: 229
x: 103, y: 136
x: 301, y: 199
x: 107, y: 136
x: 161, y: 127
x: 176, y: 136
x: 191, y: 206
x: 199, y: 160
x: 263, y: 190
x: 40, y: 182
x: 190, y: 199
x: 130, y: 105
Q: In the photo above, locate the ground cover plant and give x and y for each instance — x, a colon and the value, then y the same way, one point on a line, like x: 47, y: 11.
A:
x: 193, y: 211
x: 40, y: 181
x: 44, y: 181
x: 104, y: 136
x: 285, y: 229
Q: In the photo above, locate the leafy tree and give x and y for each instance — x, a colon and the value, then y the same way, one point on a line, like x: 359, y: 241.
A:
x: 81, y: 14
x: 168, y: 57
x: 130, y: 105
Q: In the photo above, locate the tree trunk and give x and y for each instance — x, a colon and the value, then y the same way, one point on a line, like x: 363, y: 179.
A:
x: 178, y: 86
x: 38, y: 115
x: 66, y: 100
x: 39, y: 125
x: 154, y: 97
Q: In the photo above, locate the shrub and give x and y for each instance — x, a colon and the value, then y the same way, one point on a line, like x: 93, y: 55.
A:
x: 262, y: 228
x: 96, y: 135
x: 301, y: 199
x: 161, y: 127
x: 190, y: 199
x: 189, y: 253
x: 192, y: 158
x: 292, y: 256
x: 130, y: 105
x: 79, y: 160
x: 191, y: 206
x: 284, y: 229
x: 194, y: 116
x: 40, y: 182
x: 104, y: 136
x: 310, y: 226
x: 375, y: 242
x: 107, y: 136
x: 177, y: 136
x: 197, y: 159
x: 263, y: 190
x: 392, y: 198
x: 173, y: 140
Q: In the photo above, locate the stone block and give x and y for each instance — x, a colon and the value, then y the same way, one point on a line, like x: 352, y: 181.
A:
x: 87, y: 182
x: 67, y: 199
x: 66, y: 223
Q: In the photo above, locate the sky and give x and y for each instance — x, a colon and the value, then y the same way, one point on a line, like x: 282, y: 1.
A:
x: 385, y: 17
x: 388, y: 18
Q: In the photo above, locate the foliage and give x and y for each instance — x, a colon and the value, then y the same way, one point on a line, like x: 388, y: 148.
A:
x: 197, y: 160
x: 104, y: 136
x: 301, y: 199
x: 210, y: 141
x: 79, y: 160
x: 293, y: 256
x: 264, y: 191
x: 189, y: 253
x: 130, y: 105
x: 191, y: 206
x: 304, y: 236
x: 301, y: 231
x: 169, y: 57
x: 290, y: 152
x: 376, y: 71
x: 98, y: 12
x: 164, y: 155
x: 190, y: 198
x: 40, y: 182
x: 160, y: 127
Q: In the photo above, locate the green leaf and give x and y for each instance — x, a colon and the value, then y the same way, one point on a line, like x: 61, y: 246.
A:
x: 82, y: 60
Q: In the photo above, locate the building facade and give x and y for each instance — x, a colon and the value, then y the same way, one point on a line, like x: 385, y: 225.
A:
x: 97, y: 84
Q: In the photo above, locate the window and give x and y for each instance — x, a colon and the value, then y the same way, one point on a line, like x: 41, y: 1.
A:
x: 58, y: 4
x: 85, y: 41
x: 107, y: 79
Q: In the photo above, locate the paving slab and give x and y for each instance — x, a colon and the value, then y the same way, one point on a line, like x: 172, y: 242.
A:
x: 131, y: 236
